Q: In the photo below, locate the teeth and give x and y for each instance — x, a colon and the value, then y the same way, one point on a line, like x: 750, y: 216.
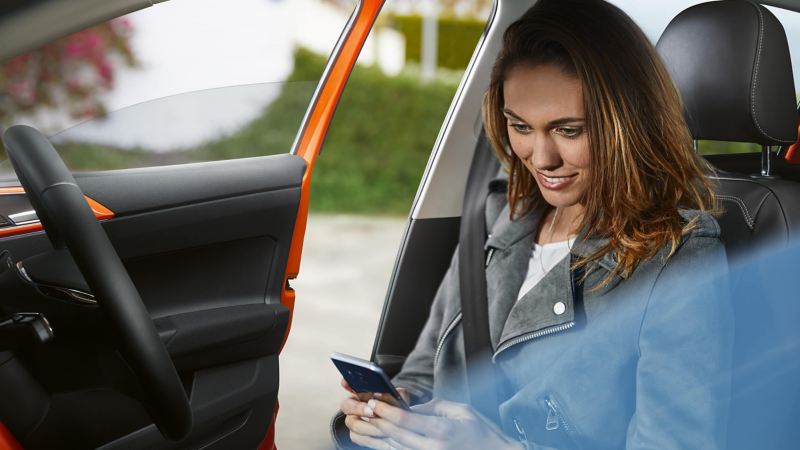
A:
x: 555, y: 180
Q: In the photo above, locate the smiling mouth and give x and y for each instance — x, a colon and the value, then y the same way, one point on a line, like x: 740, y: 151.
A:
x: 555, y: 183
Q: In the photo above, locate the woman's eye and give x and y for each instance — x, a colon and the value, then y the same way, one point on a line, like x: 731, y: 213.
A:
x: 520, y: 128
x: 569, y: 132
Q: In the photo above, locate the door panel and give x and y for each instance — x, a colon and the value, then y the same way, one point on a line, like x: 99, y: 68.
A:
x: 206, y: 245
x: 137, y: 190
x: 211, y: 247
x: 17, y: 215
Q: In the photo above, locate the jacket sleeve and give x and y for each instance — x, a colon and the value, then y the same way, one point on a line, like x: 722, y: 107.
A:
x: 416, y: 374
x: 685, y: 343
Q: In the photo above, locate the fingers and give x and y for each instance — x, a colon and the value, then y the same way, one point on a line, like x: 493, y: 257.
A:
x: 404, y: 438
x: 443, y: 408
x: 459, y: 412
x: 354, y: 407
x: 410, y: 420
x: 358, y: 426
x: 405, y: 394
x: 358, y: 415
x: 383, y: 444
x: 370, y: 442
x: 363, y: 396
x: 387, y: 398
x: 347, y: 387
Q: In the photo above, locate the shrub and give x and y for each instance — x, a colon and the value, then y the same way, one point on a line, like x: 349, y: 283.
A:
x: 377, y: 145
x: 455, y: 44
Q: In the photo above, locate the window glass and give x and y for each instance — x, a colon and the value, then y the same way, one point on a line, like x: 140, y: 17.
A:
x: 394, y: 105
x: 179, y: 82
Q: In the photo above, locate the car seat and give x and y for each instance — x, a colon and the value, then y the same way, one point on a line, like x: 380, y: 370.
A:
x: 730, y: 61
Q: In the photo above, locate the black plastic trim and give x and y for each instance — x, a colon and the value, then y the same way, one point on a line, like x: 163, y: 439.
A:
x: 424, y: 258
x: 221, y: 401
x: 132, y: 191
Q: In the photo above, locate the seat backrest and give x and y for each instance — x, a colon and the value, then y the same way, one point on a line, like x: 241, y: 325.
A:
x: 758, y: 215
x: 730, y: 61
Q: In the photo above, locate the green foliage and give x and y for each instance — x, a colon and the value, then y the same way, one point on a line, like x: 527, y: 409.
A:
x: 83, y: 157
x: 379, y: 141
x: 271, y: 133
x: 456, y: 39
x: 373, y: 156
x: 377, y: 145
x: 720, y: 147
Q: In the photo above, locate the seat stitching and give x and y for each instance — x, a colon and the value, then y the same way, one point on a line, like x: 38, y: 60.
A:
x: 747, y: 217
x: 787, y: 228
x: 761, y: 203
x: 755, y: 72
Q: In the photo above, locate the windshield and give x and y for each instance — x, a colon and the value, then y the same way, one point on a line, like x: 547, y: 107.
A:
x: 207, y: 125
x: 131, y: 92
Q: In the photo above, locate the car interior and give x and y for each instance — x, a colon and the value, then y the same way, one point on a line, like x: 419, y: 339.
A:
x: 214, y: 294
x: 147, y: 307
x: 205, y: 291
x: 731, y: 63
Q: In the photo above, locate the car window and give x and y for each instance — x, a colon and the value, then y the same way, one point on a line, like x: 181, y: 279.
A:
x: 374, y: 156
x: 653, y: 18
x: 179, y: 82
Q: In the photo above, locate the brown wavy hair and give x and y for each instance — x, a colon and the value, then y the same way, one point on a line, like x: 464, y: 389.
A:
x: 643, y: 166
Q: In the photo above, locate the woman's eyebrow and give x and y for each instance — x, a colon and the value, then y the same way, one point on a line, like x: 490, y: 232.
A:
x: 552, y: 123
x: 564, y: 121
x: 511, y: 113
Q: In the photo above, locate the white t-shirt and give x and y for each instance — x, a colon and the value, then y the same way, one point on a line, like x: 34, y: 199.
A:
x: 543, y: 256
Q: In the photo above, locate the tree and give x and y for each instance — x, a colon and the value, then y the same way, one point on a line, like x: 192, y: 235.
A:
x: 68, y: 75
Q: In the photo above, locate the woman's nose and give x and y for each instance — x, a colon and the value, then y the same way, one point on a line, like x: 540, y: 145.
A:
x: 545, y: 154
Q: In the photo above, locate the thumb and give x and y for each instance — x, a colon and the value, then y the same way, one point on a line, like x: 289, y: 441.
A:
x: 404, y: 394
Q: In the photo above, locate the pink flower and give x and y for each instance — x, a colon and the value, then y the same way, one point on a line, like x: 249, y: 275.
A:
x: 105, y: 72
x: 83, y: 44
x: 123, y: 25
x: 16, y: 64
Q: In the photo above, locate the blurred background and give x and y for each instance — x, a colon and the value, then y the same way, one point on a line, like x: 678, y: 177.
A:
x: 201, y: 80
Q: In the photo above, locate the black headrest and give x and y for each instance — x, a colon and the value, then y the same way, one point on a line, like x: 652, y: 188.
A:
x: 730, y: 61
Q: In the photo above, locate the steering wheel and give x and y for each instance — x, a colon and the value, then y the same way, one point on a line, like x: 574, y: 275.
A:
x: 71, y: 224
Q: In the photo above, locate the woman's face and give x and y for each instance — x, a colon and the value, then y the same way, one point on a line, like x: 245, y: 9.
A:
x: 547, y: 130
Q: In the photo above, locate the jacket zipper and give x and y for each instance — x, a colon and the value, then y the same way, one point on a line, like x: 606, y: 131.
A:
x: 521, y: 435
x: 452, y: 326
x: 554, y: 417
x: 531, y: 336
x: 544, y: 331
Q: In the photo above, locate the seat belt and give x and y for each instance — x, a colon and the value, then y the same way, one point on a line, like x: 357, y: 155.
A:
x: 481, y: 377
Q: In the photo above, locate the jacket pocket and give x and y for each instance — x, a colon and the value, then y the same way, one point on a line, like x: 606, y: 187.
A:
x: 558, y: 424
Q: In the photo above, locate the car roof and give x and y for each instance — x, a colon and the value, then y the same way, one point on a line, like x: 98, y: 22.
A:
x: 26, y: 25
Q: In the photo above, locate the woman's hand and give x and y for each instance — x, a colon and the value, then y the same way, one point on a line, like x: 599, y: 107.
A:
x: 358, y: 415
x: 437, y: 425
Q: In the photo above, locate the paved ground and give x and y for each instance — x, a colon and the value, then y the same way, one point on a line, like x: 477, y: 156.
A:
x: 347, y: 261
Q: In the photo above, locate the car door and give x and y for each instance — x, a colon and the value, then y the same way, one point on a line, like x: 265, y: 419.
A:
x: 211, y: 248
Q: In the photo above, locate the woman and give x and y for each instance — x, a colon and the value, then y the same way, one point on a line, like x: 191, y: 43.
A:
x: 609, y: 328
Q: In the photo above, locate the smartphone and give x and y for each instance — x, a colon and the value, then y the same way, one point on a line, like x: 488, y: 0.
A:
x: 366, y: 376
